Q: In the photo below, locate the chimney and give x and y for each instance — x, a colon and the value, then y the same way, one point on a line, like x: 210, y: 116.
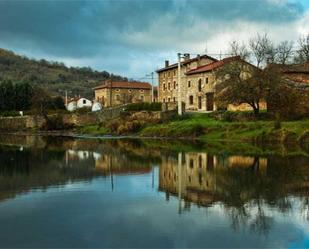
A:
x: 187, y: 57
x: 198, y: 59
x: 166, y: 63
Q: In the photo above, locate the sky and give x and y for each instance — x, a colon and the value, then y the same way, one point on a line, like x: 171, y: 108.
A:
x: 134, y: 37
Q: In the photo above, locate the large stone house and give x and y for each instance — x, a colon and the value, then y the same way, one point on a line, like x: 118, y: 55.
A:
x: 198, y: 79
x: 168, y: 77
x: 120, y: 92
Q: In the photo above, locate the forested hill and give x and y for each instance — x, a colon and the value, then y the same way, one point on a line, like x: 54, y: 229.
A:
x: 53, y: 76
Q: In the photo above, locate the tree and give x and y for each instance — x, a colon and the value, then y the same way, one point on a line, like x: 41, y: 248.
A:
x: 303, y: 51
x: 284, y: 52
x: 262, y: 49
x: 237, y: 49
x: 239, y: 82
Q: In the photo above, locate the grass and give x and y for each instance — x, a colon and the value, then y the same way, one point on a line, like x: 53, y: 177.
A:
x: 96, y: 130
x: 206, y: 128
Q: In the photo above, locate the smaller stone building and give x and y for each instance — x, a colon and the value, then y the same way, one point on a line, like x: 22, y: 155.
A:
x: 112, y: 93
x: 296, y: 79
x: 201, y: 82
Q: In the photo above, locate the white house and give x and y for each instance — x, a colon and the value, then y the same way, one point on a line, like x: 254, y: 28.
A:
x: 96, y: 107
x: 72, y: 106
x: 83, y: 102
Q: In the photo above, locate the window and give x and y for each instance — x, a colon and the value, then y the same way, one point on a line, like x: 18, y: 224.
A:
x: 169, y: 86
x: 163, y: 100
x: 174, y: 72
x: 189, y: 83
x: 174, y: 99
x: 174, y: 84
x: 164, y: 87
x: 169, y: 99
x: 191, y: 164
x: 84, y: 101
x: 142, y: 98
x: 117, y: 90
x: 191, y: 100
x: 200, y: 85
x: 206, y: 80
x: 200, y: 161
x: 141, y: 91
x: 117, y: 97
x: 130, y: 90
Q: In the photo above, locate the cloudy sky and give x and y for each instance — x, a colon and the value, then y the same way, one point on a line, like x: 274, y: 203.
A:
x: 133, y: 38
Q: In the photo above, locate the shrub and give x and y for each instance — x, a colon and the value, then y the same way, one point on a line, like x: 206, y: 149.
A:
x: 9, y: 114
x: 277, y: 122
x: 144, y: 107
x: 83, y: 110
x: 55, y: 122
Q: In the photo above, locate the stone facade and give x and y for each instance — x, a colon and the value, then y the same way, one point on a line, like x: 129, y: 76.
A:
x: 198, y: 80
x: 168, y: 78
x: 119, y: 93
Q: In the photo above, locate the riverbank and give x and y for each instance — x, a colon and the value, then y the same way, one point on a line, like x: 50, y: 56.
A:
x: 203, y: 127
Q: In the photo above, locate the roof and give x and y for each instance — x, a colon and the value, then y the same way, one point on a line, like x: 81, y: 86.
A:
x: 294, y: 68
x: 175, y: 65
x: 213, y: 65
x: 124, y: 84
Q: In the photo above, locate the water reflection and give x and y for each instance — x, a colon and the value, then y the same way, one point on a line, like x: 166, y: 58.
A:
x: 250, y: 191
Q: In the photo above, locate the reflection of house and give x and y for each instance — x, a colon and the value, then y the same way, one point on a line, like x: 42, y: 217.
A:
x: 117, y: 93
x: 196, y: 175
x: 111, y: 164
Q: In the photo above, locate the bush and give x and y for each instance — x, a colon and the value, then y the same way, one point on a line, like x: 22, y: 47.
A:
x: 144, y: 107
x: 9, y: 114
x: 55, y: 122
x: 83, y: 110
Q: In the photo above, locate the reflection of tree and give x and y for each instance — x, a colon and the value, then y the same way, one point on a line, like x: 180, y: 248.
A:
x: 261, y: 224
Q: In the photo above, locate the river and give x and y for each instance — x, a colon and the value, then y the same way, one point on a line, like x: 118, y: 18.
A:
x: 64, y: 192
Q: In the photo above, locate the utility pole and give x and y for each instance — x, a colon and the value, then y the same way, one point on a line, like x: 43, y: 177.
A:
x: 179, y: 86
x: 66, y: 98
x: 110, y: 93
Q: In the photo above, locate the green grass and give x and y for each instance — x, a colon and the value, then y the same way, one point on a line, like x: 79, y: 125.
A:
x: 92, y: 130
x: 206, y: 128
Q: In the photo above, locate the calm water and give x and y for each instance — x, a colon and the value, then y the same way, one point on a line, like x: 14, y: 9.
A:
x: 126, y: 193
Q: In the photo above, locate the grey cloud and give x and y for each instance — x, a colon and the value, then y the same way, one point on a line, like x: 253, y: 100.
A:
x: 118, y: 29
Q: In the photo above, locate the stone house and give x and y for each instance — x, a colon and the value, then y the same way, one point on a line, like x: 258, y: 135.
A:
x: 168, y: 77
x: 120, y: 92
x: 296, y: 79
x: 201, y: 82
x: 198, y: 80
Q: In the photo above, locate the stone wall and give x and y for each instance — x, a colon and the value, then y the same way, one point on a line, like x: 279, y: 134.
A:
x: 21, y: 123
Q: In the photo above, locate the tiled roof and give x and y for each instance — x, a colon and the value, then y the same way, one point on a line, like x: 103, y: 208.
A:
x: 294, y: 68
x: 213, y: 65
x: 124, y: 84
x: 185, y: 62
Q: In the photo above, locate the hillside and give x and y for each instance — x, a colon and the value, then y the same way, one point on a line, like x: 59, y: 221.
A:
x: 53, y: 76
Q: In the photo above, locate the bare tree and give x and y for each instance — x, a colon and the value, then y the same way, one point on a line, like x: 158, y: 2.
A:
x: 284, y: 52
x: 239, y: 83
x: 262, y: 49
x: 237, y: 49
x: 303, y: 52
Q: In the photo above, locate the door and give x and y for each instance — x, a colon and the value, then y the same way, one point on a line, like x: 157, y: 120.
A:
x: 209, y: 101
x: 199, y: 102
